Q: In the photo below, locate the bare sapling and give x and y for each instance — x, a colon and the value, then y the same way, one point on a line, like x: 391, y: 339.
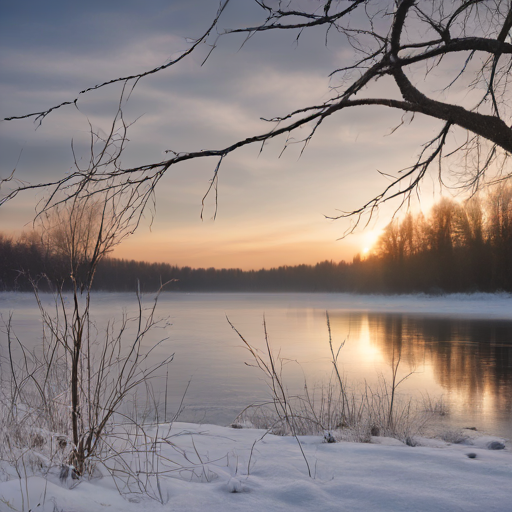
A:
x: 73, y: 385
x: 335, y: 356
x: 395, y: 382
x: 272, y: 369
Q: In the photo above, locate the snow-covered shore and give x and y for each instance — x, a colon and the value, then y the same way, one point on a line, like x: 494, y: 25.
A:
x: 210, y: 466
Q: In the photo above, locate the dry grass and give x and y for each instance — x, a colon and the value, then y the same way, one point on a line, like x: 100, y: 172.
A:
x: 335, y: 409
x: 435, y: 406
x: 365, y: 414
x: 454, y: 437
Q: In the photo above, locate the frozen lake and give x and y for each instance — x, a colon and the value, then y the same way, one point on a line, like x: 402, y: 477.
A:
x: 458, y: 346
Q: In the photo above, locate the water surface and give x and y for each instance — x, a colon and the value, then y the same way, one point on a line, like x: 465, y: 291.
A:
x: 458, y: 347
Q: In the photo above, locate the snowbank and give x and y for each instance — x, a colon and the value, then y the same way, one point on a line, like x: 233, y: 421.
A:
x: 210, y: 466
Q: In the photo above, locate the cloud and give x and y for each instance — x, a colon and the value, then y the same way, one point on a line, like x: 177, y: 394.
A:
x: 271, y: 207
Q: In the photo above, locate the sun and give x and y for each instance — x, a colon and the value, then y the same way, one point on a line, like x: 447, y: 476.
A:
x: 369, y: 239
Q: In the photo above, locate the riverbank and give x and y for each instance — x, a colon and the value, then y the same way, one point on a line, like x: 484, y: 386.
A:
x: 213, y: 468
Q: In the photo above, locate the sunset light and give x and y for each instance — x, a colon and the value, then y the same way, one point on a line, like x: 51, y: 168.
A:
x: 368, y: 240
x: 256, y: 255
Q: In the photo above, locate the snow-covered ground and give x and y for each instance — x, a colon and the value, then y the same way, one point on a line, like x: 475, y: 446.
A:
x: 217, y: 474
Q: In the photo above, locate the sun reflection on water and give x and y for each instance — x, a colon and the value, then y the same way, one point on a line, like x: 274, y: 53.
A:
x: 369, y: 351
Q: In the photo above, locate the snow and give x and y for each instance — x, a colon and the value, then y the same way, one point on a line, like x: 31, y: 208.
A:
x: 223, y: 469
x: 476, y: 305
x: 473, y: 305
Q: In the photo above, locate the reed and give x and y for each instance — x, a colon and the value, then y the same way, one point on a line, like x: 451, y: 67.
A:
x: 336, y: 409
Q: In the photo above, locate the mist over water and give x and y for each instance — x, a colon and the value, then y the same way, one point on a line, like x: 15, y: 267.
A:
x: 458, y: 347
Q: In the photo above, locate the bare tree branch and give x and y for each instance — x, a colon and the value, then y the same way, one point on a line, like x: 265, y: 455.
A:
x: 389, y: 39
x: 39, y: 116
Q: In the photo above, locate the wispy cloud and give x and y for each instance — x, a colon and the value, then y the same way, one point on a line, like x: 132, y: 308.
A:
x: 271, y: 207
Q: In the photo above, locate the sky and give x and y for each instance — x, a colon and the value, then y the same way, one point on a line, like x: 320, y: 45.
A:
x: 272, y: 208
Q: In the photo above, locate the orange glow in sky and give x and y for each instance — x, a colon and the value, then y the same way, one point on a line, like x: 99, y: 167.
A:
x: 260, y: 247
x: 274, y: 207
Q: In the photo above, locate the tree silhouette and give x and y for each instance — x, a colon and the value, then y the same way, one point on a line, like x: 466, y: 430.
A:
x: 457, y: 247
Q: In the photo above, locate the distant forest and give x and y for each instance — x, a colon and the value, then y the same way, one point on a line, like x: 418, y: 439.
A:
x: 456, y: 248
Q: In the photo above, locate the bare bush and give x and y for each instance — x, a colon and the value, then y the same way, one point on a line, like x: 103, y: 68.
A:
x: 65, y: 397
x: 436, y: 406
x: 334, y: 409
x: 37, y: 392
x: 454, y: 437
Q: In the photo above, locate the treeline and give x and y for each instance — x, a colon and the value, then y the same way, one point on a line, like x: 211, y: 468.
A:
x: 24, y: 263
x: 122, y: 275
x: 456, y: 248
